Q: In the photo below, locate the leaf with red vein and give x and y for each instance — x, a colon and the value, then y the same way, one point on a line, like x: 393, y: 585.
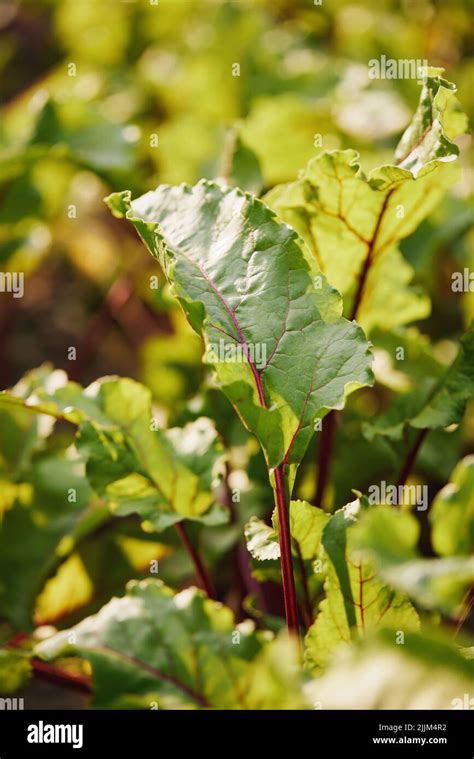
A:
x: 280, y: 349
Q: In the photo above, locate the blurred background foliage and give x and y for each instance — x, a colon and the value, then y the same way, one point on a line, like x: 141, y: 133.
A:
x: 102, y: 95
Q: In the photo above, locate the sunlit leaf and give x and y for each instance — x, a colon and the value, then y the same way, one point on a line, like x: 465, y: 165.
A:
x: 357, y: 601
x: 280, y: 351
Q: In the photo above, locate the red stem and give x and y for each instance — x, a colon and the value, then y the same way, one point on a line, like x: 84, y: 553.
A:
x: 369, y: 258
x: 289, y: 592
x: 280, y: 492
x: 201, y: 570
x: 411, y: 458
x: 56, y: 676
x: 51, y: 674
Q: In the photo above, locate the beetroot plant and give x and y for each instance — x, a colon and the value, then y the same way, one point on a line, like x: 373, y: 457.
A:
x: 303, y: 300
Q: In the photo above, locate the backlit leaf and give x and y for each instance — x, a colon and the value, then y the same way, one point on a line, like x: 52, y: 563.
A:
x: 279, y: 348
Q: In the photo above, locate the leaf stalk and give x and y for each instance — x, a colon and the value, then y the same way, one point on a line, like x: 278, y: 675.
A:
x: 201, y: 570
x: 289, y: 591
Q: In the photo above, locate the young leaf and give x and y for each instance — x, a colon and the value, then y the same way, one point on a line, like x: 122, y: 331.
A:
x: 262, y: 540
x: 306, y: 526
x: 388, y: 539
x: 452, y: 513
x: 279, y: 348
x: 176, y: 650
x: 437, y: 121
x: 352, y: 224
x: 357, y: 601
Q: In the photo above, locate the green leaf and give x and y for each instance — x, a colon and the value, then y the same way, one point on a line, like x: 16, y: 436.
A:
x: 240, y: 165
x: 452, y: 512
x: 165, y: 477
x: 274, y: 679
x: 388, y: 539
x: 420, y: 672
x: 306, y: 527
x: 357, y: 602
x: 180, y: 651
x: 91, y: 140
x: 446, y: 403
x: 15, y: 670
x: 437, y: 121
x: 47, y: 509
x: 436, y: 401
x: 21, y: 432
x: 43, y: 395
x: 404, y: 357
x: 352, y: 224
x: 33, y: 531
x: 280, y: 351
x: 307, y: 523
x: 281, y: 129
x: 94, y: 569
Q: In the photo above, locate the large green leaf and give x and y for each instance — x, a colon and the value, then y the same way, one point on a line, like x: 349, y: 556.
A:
x: 416, y: 672
x: 452, y: 512
x: 271, y: 324
x: 352, y: 224
x: 357, y: 602
x: 388, y: 538
x: 435, y: 402
x: 178, y: 651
